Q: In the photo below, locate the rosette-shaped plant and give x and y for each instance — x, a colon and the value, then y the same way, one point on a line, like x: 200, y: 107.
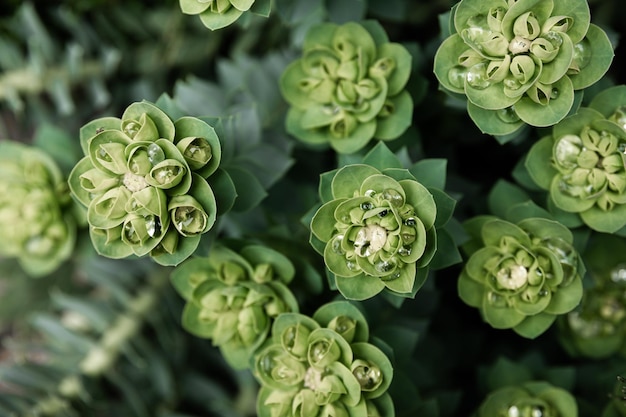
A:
x: 348, y: 87
x: 323, y: 365
x: 378, y: 226
x: 529, y: 399
x: 521, y: 276
x: 143, y: 181
x: 519, y: 61
x: 36, y: 224
x: 582, y: 163
x: 597, y: 327
x: 232, y: 297
x: 377, y: 231
x: 217, y: 14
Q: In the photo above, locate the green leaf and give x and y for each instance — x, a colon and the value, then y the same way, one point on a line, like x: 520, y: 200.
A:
x: 349, y: 179
x: 343, y: 11
x: 502, y: 122
x: 534, y: 326
x: 224, y: 190
x: 250, y: 191
x: 541, y: 115
x: 431, y: 172
x: 381, y: 157
x: 609, y: 100
x: 215, y: 21
x: 599, y: 46
x: 400, y: 117
x: 360, y: 287
x: 503, y: 195
x: 541, y: 172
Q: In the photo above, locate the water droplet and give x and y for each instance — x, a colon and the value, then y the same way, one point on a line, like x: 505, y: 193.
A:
x: 404, y: 250
x: 457, y: 76
x: 384, y: 266
x: 496, y: 299
x: 411, y: 221
x: 131, y: 128
x: 554, y: 38
x: 131, y: 234
x: 366, y: 206
x: 343, y: 324
x: 476, y: 76
x: 104, y: 155
x: 289, y: 338
x: 554, y: 94
x: 543, y: 293
x: 383, y: 213
x: 566, y: 255
x: 394, y: 197
x: 336, y: 245
x: 508, y: 115
x: 618, y: 274
x: 567, y: 150
x: 513, y: 411
x: 319, y: 350
x: 582, y: 54
x: 155, y: 154
x: 536, y: 411
x: 370, y: 193
x: 153, y: 225
x: 511, y: 83
x: 369, y: 377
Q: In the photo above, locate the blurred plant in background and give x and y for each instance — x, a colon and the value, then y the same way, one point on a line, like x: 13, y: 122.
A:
x: 312, y: 208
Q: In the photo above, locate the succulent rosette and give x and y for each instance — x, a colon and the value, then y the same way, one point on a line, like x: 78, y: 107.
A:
x: 522, y: 275
x: 323, y: 365
x: 217, y: 14
x: 376, y: 231
x: 37, y: 226
x: 233, y: 296
x: 519, y: 62
x: 529, y: 399
x: 582, y: 164
x: 143, y: 182
x: 348, y: 87
x: 597, y: 327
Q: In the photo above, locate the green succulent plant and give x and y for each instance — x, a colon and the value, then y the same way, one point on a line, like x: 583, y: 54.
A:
x: 596, y: 328
x: 143, y: 182
x: 217, y: 14
x: 522, y: 275
x: 37, y: 223
x: 586, y: 173
x: 529, y: 399
x: 233, y: 296
x: 348, y: 87
x: 519, y: 62
x: 377, y: 231
x: 323, y: 365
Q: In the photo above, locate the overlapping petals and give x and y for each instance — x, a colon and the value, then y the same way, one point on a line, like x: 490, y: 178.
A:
x: 36, y: 224
x: 323, y: 365
x: 232, y: 297
x: 377, y: 231
x: 521, y: 276
x: 143, y: 182
x: 582, y: 166
x: 519, y: 61
x: 348, y: 87
x: 217, y: 14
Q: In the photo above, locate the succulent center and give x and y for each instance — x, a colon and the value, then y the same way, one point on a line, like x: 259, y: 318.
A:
x: 519, y: 45
x: 512, y: 277
x: 312, y: 378
x: 134, y: 182
x: 370, y: 239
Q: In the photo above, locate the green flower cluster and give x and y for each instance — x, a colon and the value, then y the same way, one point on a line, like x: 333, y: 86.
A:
x: 217, y: 14
x: 521, y: 276
x: 143, y: 181
x: 36, y: 224
x: 519, y: 61
x: 530, y: 399
x: 586, y: 172
x: 377, y: 231
x: 348, y: 87
x: 232, y: 297
x: 323, y: 365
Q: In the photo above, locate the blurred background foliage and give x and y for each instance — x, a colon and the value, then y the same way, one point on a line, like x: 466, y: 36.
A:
x: 102, y: 337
